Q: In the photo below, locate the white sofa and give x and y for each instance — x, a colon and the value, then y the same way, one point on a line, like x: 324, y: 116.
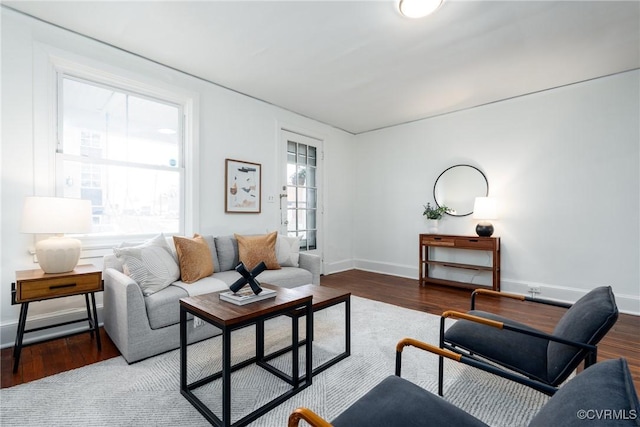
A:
x: 145, y: 325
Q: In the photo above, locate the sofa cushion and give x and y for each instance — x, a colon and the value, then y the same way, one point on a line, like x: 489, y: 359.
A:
x: 254, y: 249
x: 163, y: 308
x: 150, y: 264
x: 288, y: 250
x: 227, y: 248
x: 286, y: 277
x: 194, y: 257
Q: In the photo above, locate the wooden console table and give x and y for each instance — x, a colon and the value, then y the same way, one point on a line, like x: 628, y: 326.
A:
x: 489, y: 244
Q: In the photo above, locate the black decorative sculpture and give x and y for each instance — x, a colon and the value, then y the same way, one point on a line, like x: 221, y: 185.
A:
x: 248, y: 277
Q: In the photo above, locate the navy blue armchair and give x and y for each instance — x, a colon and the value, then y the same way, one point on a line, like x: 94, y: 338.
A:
x: 602, y: 395
x: 524, y: 354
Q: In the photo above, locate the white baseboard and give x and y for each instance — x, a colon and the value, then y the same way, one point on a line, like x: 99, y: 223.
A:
x: 337, y: 267
x: 629, y: 304
x: 8, y: 330
x: 399, y: 270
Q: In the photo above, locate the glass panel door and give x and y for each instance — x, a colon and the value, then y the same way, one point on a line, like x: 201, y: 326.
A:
x: 302, y: 208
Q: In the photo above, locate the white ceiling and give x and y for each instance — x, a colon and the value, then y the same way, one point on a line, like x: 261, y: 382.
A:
x: 359, y: 65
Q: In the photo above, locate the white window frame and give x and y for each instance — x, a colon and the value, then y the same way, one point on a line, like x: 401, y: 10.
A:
x: 49, y: 64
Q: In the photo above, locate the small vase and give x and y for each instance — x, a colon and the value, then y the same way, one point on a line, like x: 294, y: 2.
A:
x: 432, y: 225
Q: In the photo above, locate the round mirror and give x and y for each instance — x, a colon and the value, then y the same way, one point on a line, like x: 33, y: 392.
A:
x: 457, y: 188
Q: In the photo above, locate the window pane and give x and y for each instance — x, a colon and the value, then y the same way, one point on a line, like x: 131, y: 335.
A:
x: 292, y: 226
x: 312, y: 156
x: 311, y: 219
x: 311, y: 240
x: 301, y: 198
x: 128, y: 200
x: 104, y: 123
x: 301, y: 219
x: 123, y: 152
x: 311, y: 177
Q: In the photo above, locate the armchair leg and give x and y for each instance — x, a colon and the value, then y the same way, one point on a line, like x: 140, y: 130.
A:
x: 591, y: 358
x: 441, y: 359
x: 440, y: 369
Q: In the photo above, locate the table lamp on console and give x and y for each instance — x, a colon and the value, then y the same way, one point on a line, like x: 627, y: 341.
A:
x: 57, y: 216
x: 485, y: 209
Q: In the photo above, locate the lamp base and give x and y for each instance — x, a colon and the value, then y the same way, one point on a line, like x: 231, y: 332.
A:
x: 58, y: 254
x: 484, y: 229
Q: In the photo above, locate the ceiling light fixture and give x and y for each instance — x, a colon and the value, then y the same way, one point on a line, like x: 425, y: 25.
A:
x: 418, y: 8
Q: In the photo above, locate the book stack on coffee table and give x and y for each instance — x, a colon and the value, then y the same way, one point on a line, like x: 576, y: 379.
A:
x: 246, y: 296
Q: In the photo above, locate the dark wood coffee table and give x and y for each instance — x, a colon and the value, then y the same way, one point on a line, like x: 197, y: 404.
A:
x: 229, y: 317
x: 323, y: 297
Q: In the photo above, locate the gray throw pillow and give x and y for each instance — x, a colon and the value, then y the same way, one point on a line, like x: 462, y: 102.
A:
x: 227, y: 248
x: 150, y: 264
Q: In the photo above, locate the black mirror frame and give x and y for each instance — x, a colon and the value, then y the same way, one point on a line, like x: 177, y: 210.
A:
x: 451, y: 167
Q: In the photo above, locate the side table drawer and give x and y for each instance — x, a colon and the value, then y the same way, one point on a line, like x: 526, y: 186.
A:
x: 45, y: 288
x: 438, y: 241
x: 475, y: 243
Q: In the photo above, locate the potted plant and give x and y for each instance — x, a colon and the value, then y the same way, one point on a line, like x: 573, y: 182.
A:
x: 433, y: 215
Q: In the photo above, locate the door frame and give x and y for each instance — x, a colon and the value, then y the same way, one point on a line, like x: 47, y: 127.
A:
x: 286, y: 133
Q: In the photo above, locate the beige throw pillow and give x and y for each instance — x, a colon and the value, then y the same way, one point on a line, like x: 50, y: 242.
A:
x: 288, y: 250
x: 253, y: 249
x: 149, y: 264
x: 194, y: 258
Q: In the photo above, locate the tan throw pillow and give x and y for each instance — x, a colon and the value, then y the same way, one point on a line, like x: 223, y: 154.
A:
x: 253, y: 249
x: 194, y: 258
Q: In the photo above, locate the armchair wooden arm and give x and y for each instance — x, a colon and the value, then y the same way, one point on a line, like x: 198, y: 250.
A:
x: 502, y: 325
x: 309, y: 416
x: 423, y: 346
x: 470, y: 317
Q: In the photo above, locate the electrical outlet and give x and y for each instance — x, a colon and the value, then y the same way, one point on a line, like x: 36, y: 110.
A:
x: 534, y: 290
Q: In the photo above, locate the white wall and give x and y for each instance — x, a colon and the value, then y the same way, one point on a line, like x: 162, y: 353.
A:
x: 230, y: 126
x: 564, y: 165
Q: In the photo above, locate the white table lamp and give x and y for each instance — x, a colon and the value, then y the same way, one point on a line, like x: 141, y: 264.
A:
x: 485, y: 209
x: 55, y: 215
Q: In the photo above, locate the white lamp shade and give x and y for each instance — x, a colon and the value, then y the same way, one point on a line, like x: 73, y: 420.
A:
x: 56, y: 215
x: 485, y: 208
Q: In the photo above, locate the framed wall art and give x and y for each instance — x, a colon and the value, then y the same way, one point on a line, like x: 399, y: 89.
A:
x: 242, y: 187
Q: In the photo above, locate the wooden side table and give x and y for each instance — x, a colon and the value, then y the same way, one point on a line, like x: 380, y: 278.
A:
x: 36, y: 285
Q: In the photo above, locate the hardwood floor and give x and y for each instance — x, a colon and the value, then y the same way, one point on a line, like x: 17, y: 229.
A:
x: 41, y: 360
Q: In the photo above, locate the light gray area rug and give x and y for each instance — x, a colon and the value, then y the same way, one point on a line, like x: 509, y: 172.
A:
x: 147, y: 393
